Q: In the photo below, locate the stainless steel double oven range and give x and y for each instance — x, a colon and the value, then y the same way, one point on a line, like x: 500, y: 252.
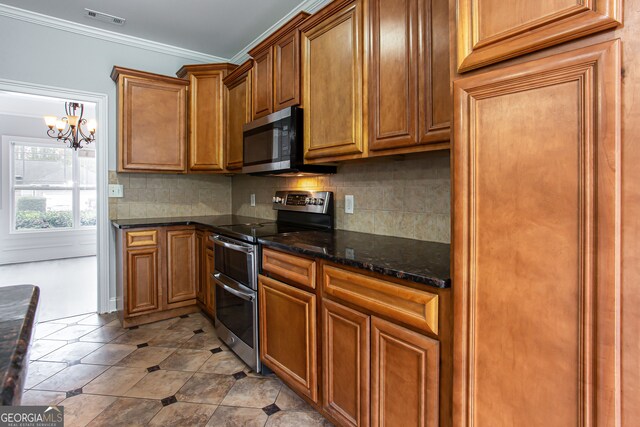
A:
x: 237, y: 263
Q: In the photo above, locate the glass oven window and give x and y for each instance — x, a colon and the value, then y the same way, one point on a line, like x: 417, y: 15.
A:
x: 234, y: 264
x: 236, y: 314
x: 262, y: 145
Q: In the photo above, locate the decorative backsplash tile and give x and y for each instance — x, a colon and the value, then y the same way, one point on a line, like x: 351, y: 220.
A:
x: 405, y: 196
x: 159, y: 195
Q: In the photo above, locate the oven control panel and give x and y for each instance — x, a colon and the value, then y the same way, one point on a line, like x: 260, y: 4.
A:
x: 303, y: 201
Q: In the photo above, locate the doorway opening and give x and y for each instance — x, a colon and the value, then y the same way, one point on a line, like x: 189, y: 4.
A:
x: 53, y: 203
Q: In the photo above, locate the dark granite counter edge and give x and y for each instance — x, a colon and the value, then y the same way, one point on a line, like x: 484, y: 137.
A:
x: 16, y: 373
x: 158, y: 224
x: 416, y: 278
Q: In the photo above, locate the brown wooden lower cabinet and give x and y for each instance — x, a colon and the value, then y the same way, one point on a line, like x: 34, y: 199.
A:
x: 404, y: 376
x: 142, y: 280
x: 181, y: 266
x: 157, y: 273
x: 209, y: 284
x: 346, y: 364
x: 377, y: 373
x: 200, y: 279
x: 288, y: 334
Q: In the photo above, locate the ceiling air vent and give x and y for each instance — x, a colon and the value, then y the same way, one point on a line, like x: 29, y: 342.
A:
x: 104, y: 17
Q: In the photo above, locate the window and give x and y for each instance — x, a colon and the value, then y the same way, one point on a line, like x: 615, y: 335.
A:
x: 53, y: 187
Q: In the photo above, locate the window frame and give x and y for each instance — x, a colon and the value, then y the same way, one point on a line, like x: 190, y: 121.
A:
x: 75, y: 188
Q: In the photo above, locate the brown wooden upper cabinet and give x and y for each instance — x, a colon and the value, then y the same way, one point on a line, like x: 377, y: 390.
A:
x: 152, y: 117
x: 238, y: 86
x: 333, y: 82
x: 376, y: 79
x: 493, y: 31
x: 206, y: 115
x: 409, y: 98
x: 276, y: 70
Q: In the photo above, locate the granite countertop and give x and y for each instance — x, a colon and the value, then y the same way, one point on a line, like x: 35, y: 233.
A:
x: 18, y: 306
x: 415, y: 260
x: 211, y: 221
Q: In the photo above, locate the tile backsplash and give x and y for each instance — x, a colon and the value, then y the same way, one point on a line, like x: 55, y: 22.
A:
x: 163, y: 195
x: 404, y: 196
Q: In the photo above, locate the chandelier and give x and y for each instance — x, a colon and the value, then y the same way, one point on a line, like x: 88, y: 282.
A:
x: 70, y: 127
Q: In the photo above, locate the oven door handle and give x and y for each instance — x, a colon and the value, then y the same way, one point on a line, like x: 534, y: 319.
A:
x: 245, y: 249
x: 231, y: 288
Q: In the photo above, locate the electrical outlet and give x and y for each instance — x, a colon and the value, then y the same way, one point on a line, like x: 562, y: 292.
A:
x: 253, y: 199
x: 116, y: 190
x: 348, y: 204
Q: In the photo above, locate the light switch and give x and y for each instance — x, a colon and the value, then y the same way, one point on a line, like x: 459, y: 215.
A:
x: 253, y: 199
x: 348, y: 204
x: 116, y: 190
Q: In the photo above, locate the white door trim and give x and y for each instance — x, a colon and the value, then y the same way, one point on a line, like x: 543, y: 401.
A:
x: 102, y: 159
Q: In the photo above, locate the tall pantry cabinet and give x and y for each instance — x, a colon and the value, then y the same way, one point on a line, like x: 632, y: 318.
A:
x: 544, y: 272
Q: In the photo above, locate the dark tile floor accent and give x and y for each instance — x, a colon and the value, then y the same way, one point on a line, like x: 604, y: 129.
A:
x: 184, y: 316
x: 239, y: 375
x: 75, y: 392
x: 159, y: 380
x: 131, y: 328
x: 271, y: 409
x: 168, y: 400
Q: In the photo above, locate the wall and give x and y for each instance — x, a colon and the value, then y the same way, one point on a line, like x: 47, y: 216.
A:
x: 404, y: 196
x: 162, y: 195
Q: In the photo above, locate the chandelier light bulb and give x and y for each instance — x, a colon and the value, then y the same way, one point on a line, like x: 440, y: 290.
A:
x: 72, y: 120
x: 92, y: 126
x: 60, y: 125
x: 50, y: 121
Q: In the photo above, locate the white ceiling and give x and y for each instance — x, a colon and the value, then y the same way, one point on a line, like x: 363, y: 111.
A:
x: 215, y: 27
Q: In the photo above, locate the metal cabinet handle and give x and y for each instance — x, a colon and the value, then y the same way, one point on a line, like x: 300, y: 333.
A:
x: 232, y: 289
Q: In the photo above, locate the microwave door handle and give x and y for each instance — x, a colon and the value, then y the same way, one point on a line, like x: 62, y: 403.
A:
x: 275, y: 154
x: 228, y: 245
x: 231, y: 290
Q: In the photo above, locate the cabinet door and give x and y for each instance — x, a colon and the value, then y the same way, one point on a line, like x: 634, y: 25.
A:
x: 345, y: 364
x: 142, y: 280
x: 238, y: 113
x: 288, y: 334
x: 493, y: 30
x: 210, y: 286
x: 200, y: 283
x: 206, y: 122
x: 409, y: 99
x: 286, y: 56
x: 262, y: 84
x: 535, y: 237
x: 404, y: 376
x: 152, y: 120
x: 181, y: 266
x: 333, y: 83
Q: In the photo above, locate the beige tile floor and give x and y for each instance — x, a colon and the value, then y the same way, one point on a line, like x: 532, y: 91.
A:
x: 170, y: 373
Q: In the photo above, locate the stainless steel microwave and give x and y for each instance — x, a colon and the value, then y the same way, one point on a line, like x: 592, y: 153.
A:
x: 273, y: 145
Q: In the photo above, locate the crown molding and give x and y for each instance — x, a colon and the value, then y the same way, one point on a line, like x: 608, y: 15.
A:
x: 110, y: 36
x: 309, y: 6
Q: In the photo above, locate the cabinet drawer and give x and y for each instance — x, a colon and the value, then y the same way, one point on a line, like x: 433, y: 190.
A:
x: 142, y: 238
x: 299, y: 270
x: 404, y: 304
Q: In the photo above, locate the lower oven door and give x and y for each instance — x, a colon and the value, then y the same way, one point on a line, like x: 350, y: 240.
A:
x: 237, y: 318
